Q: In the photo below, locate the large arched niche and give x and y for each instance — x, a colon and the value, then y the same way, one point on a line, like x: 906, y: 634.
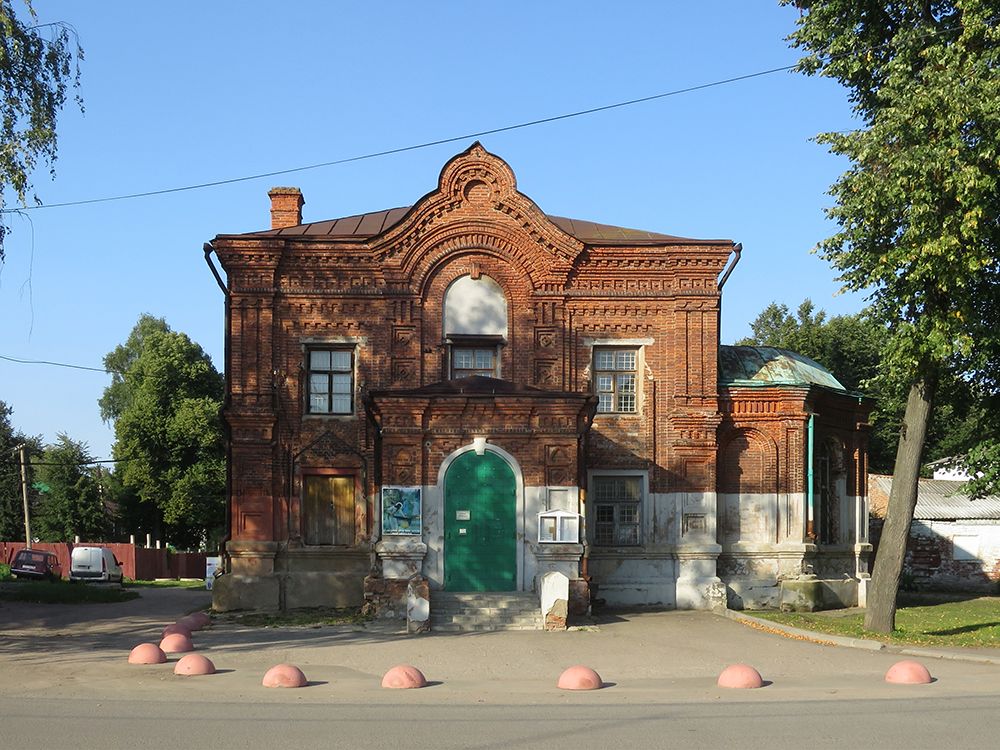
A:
x: 475, y: 307
x: 469, y: 299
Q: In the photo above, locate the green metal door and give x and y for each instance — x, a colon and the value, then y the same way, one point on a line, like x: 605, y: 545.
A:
x: 480, y: 529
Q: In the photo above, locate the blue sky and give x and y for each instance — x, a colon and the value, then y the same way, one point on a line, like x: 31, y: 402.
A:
x: 185, y: 93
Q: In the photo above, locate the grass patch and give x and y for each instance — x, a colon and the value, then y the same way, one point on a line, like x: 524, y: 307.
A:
x: 176, y: 583
x: 63, y: 592
x: 959, y: 623
x: 300, y: 618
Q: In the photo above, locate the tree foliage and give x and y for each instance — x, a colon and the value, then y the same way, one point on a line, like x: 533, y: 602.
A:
x: 11, y: 502
x: 164, y: 400
x: 39, y: 63
x: 70, y: 501
x: 917, y: 209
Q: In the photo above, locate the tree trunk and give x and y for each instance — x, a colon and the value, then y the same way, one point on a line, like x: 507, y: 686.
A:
x: 880, y: 616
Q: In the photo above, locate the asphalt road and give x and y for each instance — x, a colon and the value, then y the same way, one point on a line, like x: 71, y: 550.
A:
x: 64, y: 682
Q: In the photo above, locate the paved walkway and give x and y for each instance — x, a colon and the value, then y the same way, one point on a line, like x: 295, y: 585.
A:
x: 667, y: 656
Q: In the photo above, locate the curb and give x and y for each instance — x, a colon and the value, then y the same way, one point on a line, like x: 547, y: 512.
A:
x: 859, y: 643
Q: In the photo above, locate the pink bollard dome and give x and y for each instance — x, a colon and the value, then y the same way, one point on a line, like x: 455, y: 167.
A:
x: 176, y: 627
x: 580, y: 678
x: 199, y: 619
x: 195, y: 620
x: 908, y: 673
x: 284, y: 676
x: 194, y: 665
x: 147, y: 653
x: 740, y: 676
x: 404, y: 676
x: 176, y: 643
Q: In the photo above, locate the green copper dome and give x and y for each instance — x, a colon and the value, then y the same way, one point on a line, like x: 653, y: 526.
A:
x: 765, y: 365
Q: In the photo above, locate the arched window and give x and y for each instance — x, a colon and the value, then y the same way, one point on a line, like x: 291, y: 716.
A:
x: 475, y: 326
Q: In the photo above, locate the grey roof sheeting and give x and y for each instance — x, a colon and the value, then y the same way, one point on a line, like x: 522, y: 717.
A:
x: 766, y: 365
x: 943, y: 500
x: 364, y: 226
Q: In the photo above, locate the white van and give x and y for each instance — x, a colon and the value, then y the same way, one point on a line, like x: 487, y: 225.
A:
x: 94, y: 564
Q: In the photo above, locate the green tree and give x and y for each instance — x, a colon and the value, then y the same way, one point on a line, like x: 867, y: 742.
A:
x: 164, y: 400
x: 917, y: 208
x: 11, y: 500
x: 70, y: 502
x: 38, y: 64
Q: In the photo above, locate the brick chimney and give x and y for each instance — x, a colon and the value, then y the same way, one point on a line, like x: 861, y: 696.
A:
x: 286, y: 207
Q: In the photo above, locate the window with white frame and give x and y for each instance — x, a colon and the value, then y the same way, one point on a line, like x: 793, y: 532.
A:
x: 615, y: 379
x: 473, y: 360
x: 330, y: 380
x: 616, y: 503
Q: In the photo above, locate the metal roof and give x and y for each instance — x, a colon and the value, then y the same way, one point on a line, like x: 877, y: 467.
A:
x: 364, y: 226
x: 766, y: 365
x: 940, y: 500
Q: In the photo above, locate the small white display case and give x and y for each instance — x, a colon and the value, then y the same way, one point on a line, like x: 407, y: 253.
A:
x: 558, y: 527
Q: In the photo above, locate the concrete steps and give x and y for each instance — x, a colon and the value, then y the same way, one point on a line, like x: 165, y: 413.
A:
x: 454, y: 612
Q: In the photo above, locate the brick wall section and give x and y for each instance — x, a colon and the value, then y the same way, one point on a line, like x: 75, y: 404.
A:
x: 386, y: 295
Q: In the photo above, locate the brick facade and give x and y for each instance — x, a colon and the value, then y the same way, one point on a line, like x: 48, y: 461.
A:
x: 372, y: 289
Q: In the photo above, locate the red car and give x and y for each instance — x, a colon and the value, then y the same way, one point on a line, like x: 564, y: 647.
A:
x: 33, y: 563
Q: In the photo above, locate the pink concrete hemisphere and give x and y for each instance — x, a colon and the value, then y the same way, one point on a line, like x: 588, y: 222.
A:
x: 908, y: 673
x: 176, y: 627
x: 404, y: 676
x: 740, y: 676
x: 194, y: 665
x: 195, y: 620
x: 284, y: 676
x: 176, y: 643
x: 147, y: 653
x: 580, y: 678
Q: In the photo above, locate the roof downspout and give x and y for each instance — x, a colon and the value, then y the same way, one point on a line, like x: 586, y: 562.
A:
x: 810, y: 494
x: 737, y: 251
x: 209, y: 248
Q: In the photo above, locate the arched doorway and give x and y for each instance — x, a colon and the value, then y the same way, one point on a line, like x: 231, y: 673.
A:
x: 480, y: 527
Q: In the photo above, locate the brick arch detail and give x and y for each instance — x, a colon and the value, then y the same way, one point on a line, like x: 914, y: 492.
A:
x: 459, y: 243
x: 748, y: 462
x: 516, y: 288
x: 477, y: 184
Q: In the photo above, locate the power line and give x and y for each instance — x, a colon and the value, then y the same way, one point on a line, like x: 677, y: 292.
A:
x: 452, y: 139
x: 53, y: 364
x: 413, y: 147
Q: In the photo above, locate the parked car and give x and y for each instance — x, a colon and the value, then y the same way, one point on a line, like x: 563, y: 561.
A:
x: 33, y: 563
x: 94, y: 564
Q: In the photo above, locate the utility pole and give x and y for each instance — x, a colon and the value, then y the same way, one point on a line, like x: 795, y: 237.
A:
x: 23, y: 449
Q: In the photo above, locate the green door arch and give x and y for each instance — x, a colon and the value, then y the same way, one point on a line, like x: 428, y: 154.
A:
x: 480, y: 527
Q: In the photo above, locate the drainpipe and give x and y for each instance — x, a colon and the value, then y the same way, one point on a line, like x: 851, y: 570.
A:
x: 737, y: 250
x: 209, y: 248
x: 810, y: 495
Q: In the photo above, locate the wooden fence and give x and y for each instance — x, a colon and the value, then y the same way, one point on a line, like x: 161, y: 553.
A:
x: 138, y: 563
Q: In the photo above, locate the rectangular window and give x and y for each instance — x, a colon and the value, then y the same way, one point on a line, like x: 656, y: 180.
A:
x: 615, y: 379
x: 616, y: 503
x: 466, y: 361
x: 330, y: 381
x: 328, y: 510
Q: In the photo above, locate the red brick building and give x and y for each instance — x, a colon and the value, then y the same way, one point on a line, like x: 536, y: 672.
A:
x: 430, y: 391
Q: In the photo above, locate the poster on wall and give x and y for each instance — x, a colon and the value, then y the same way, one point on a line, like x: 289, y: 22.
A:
x: 401, y: 511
